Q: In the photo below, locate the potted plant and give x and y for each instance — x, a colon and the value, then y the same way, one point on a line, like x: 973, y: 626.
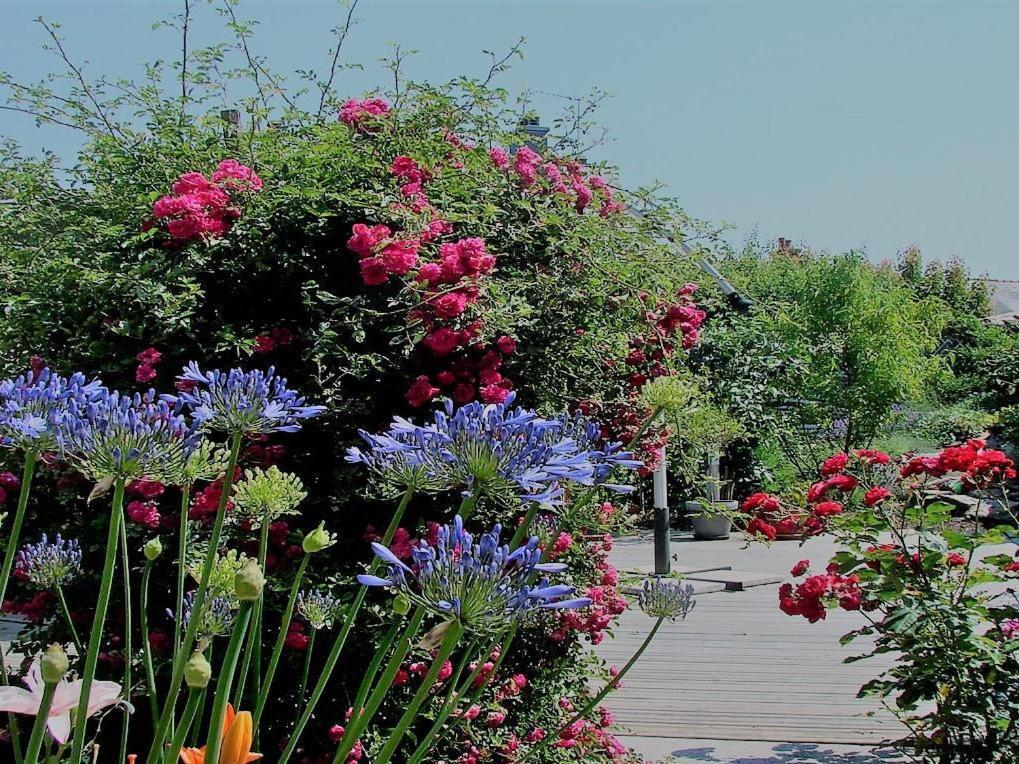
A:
x: 708, y: 430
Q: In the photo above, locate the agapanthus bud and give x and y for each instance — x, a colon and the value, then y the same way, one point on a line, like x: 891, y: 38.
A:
x: 197, y: 671
x: 53, y: 664
x: 401, y: 604
x: 153, y: 548
x: 318, y: 540
x: 249, y: 582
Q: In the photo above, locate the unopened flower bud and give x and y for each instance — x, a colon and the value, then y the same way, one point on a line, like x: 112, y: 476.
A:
x: 53, y: 664
x: 153, y: 548
x: 401, y: 604
x: 318, y: 540
x: 249, y: 581
x: 197, y: 671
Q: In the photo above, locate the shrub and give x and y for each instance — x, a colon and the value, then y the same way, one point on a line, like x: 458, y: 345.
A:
x: 931, y: 595
x: 382, y: 260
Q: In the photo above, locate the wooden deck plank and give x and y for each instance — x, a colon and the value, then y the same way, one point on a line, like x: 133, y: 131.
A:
x: 740, y: 669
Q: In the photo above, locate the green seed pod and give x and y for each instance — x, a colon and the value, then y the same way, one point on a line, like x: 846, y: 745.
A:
x: 249, y: 582
x: 153, y: 548
x: 197, y: 671
x: 318, y: 540
x: 53, y: 664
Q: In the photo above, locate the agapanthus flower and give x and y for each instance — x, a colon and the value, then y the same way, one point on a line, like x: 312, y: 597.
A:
x: 49, y: 564
x: 479, y: 582
x: 267, y: 495
x: 320, y: 609
x: 33, y: 407
x: 128, y: 436
x: 216, y: 618
x: 495, y: 449
x: 660, y: 599
x: 243, y: 401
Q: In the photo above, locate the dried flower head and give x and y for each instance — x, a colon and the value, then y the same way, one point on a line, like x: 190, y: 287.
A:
x: 319, y: 608
x: 660, y: 599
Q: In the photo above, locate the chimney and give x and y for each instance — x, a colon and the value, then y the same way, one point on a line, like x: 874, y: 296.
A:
x: 535, y: 132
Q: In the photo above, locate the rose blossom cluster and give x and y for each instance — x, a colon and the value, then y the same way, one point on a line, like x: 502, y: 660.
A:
x: 147, y: 359
x: 607, y: 604
x: 809, y: 598
x: 557, y: 176
x: 267, y: 342
x: 142, y: 508
x: 769, y: 517
x: 980, y: 466
x: 451, y: 358
x: 670, y: 324
x: 204, y: 208
x: 363, y: 114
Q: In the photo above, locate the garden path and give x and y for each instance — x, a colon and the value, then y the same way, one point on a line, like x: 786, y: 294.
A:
x: 739, y: 678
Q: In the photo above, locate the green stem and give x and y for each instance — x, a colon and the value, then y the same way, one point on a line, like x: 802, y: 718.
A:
x: 525, y: 524
x: 359, y: 722
x: 373, y: 668
x: 341, y: 637
x: 70, y: 624
x: 128, y: 651
x: 182, y: 541
x: 38, y: 729
x: 476, y: 692
x: 253, y: 654
x: 410, y: 713
x: 195, y: 698
x: 307, y: 664
x: 10, y: 552
x: 281, y: 637
x: 185, y: 648
x: 195, y: 734
x: 609, y: 687
x: 224, y: 682
x: 96, y: 636
x: 452, y: 698
x: 150, y: 674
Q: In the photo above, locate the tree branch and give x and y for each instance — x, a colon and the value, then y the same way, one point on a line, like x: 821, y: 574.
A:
x: 342, y: 36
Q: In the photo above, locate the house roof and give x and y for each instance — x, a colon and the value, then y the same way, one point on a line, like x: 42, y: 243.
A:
x: 1004, y: 295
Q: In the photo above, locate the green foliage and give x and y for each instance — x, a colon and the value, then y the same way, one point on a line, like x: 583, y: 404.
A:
x: 854, y: 340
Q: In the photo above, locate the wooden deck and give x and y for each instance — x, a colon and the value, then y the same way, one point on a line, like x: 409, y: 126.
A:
x: 738, y: 669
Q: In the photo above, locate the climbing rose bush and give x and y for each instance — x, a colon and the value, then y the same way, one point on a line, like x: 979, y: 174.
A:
x: 936, y: 593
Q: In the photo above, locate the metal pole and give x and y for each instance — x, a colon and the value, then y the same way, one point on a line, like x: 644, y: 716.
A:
x: 663, y: 556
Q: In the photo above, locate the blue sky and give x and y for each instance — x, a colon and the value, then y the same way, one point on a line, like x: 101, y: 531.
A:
x: 839, y: 124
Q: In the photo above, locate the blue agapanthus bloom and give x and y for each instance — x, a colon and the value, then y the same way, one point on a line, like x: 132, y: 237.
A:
x: 661, y: 599
x: 32, y: 407
x: 494, y: 449
x: 216, y: 619
x: 243, y: 401
x: 483, y: 584
x: 49, y: 564
x: 128, y: 436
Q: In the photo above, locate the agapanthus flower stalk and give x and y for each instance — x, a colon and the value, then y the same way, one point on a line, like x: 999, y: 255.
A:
x: 99, y: 620
x: 243, y: 401
x: 341, y: 636
x: 33, y: 408
x: 128, y: 437
x: 509, y: 454
x: 660, y: 600
x: 481, y: 583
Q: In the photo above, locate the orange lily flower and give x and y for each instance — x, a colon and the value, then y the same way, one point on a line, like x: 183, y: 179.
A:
x: 236, y: 745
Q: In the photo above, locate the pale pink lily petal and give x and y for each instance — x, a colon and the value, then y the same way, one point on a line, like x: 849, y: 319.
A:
x: 19, y: 701
x: 102, y: 695
x: 33, y: 679
x: 60, y: 726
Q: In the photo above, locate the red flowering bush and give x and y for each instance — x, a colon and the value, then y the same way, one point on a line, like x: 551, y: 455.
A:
x: 928, y: 591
